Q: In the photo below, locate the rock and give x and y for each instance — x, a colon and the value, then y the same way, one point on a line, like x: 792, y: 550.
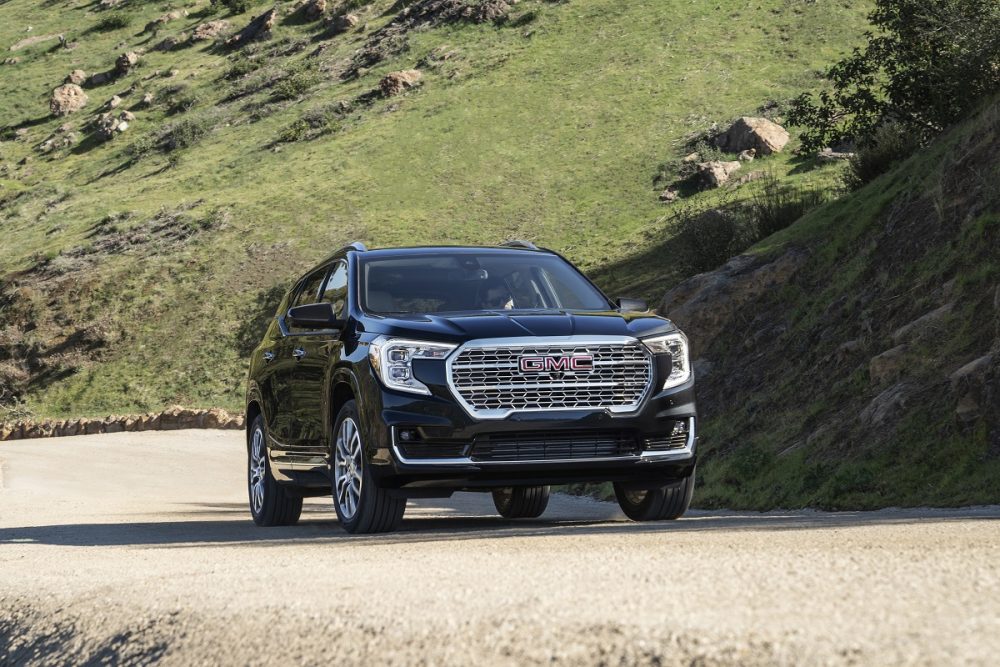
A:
x: 760, y: 134
x: 147, y: 100
x: 715, y: 173
x: 973, y: 371
x: 886, y: 405
x: 113, y: 426
x: 77, y: 76
x: 113, y: 103
x: 216, y: 418
x: 924, y: 325
x: 93, y: 426
x: 395, y: 83
x: 126, y: 62
x: 210, y: 30
x: 704, y: 305
x: 889, y: 365
x: 690, y: 157
x: 748, y: 155
x: 161, y: 21
x: 61, y: 138
x: 830, y: 155
x: 311, y: 9
x: 110, y: 125
x: 66, y: 99
x: 172, y: 42
x: 849, y: 348
x: 669, y: 195
x: 747, y: 178
x: 489, y: 10
x: 345, y: 22
x: 258, y: 28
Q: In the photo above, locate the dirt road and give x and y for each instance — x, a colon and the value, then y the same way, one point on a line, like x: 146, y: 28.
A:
x: 137, y: 547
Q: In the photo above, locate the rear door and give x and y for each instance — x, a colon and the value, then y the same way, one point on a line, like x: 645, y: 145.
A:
x: 286, y: 421
x: 316, y: 353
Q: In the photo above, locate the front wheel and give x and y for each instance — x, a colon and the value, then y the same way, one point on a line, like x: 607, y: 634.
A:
x: 361, y: 505
x: 271, y: 504
x: 666, y: 502
x: 521, y: 502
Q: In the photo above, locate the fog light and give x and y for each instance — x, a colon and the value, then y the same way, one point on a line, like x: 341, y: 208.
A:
x: 407, y: 435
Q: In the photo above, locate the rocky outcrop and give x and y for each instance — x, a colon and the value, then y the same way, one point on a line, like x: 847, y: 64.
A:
x: 66, y: 99
x: 888, y: 365
x: 258, y: 28
x: 395, y: 83
x: 173, y: 418
x: 345, y: 22
x: 971, y: 384
x: 760, y: 134
x: 210, y: 30
x: 110, y: 125
x: 714, y: 174
x: 311, y: 10
x: 705, y: 304
x: 164, y: 19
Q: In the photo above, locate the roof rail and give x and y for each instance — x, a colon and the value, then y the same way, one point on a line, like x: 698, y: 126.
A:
x: 517, y: 243
x: 357, y: 245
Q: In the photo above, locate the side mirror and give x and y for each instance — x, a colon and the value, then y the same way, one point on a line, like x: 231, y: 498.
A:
x: 631, y: 305
x: 314, y: 316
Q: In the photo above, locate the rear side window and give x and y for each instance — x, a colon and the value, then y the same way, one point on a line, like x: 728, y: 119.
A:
x: 335, y: 288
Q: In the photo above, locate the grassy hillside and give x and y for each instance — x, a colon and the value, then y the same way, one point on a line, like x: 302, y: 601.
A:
x: 869, y: 375
x: 134, y: 271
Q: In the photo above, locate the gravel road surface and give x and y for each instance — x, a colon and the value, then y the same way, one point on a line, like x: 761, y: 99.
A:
x: 137, y: 547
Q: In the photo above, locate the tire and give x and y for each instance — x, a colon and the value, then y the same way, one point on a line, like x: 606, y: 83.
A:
x: 521, y: 502
x: 271, y: 504
x: 361, y: 505
x: 665, y: 503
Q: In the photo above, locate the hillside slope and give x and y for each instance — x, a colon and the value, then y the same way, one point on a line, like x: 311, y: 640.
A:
x: 136, y: 271
x: 853, y: 360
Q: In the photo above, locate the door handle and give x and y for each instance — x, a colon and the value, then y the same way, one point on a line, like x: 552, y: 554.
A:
x: 268, y: 356
x: 298, y: 353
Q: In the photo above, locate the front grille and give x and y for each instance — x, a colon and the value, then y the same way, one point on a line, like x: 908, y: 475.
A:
x: 489, y: 379
x: 553, y: 445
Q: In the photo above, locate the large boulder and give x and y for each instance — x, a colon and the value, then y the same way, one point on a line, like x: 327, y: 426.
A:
x: 66, y: 99
x: 395, y: 83
x: 705, y: 304
x: 760, y: 134
x: 77, y: 76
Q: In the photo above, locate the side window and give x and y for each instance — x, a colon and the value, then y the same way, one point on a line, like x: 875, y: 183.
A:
x: 335, y: 289
x: 309, y: 289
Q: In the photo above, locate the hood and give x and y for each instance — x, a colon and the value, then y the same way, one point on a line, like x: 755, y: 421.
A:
x: 462, y: 327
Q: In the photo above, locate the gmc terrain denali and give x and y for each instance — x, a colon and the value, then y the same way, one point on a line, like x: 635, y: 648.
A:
x: 417, y: 372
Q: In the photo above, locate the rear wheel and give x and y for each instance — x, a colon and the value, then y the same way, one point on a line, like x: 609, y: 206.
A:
x: 271, y: 504
x: 667, y: 502
x: 361, y: 505
x: 521, y: 502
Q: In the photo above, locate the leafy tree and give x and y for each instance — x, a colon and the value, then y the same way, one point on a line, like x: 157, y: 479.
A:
x: 927, y: 65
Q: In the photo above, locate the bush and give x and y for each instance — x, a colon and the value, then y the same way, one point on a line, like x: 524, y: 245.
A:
x: 889, y: 145
x: 113, y: 21
x: 234, y: 6
x: 707, y: 239
x: 185, y: 133
x: 295, y: 132
x: 241, y: 67
x: 927, y: 64
x: 774, y: 206
x: 295, y: 85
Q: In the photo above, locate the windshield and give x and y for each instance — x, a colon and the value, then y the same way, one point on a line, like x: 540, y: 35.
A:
x: 449, y: 282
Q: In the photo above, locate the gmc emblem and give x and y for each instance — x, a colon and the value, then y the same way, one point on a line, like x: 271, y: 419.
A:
x: 576, y: 362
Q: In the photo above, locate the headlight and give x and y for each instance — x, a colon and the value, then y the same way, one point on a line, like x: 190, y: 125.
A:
x: 676, y: 345
x: 392, y: 359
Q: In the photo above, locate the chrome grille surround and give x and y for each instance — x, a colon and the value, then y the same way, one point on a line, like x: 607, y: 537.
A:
x: 484, y: 376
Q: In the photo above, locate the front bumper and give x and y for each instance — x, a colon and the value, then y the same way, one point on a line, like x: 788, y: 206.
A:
x: 439, y: 421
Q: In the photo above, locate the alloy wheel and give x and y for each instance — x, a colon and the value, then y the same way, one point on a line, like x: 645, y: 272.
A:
x: 257, y: 470
x: 348, y: 462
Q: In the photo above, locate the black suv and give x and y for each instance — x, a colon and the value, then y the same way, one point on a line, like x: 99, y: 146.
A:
x: 417, y: 372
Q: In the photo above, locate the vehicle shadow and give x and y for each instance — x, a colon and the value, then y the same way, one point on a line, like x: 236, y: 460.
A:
x: 230, y: 525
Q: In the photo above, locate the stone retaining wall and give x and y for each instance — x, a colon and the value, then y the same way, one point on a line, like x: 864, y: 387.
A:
x: 169, y: 420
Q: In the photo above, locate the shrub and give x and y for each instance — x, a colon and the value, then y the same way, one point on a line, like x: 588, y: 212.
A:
x: 241, y: 67
x: 707, y: 239
x: 889, y: 145
x: 774, y: 206
x: 234, y: 6
x: 295, y: 85
x: 185, y: 133
x: 113, y: 21
x: 294, y: 132
x: 181, y: 102
x: 927, y: 64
